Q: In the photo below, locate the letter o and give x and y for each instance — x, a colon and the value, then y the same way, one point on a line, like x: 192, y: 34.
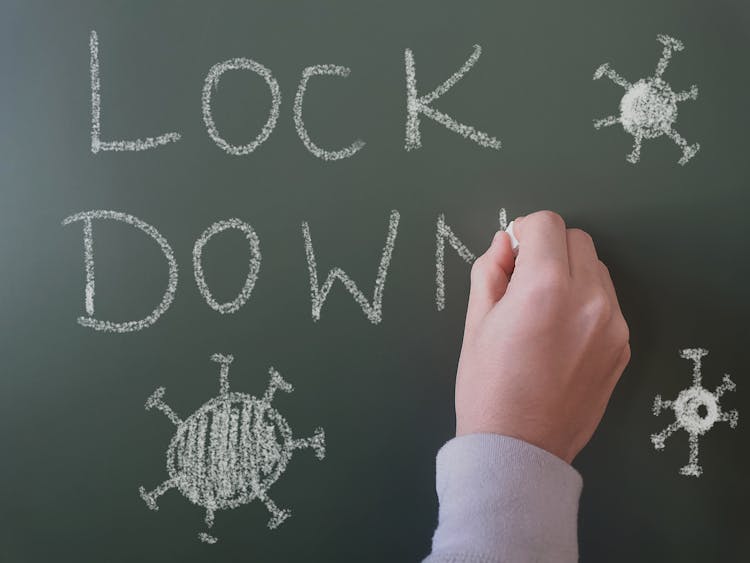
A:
x: 254, y: 264
x: 212, y: 81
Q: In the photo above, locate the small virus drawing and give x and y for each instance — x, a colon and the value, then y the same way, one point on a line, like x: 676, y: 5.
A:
x: 231, y: 450
x: 696, y: 410
x: 649, y: 107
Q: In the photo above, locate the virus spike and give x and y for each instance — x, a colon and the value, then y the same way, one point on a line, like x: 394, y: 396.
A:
x: 276, y: 382
x: 688, y: 151
x: 670, y: 42
x: 609, y: 72
x: 209, y: 517
x: 660, y: 404
x: 150, y: 497
x: 207, y: 538
x: 317, y: 442
x: 224, y: 360
x: 606, y: 121
x: 155, y: 401
x: 694, y: 354
x: 635, y: 155
x: 732, y: 417
x: 670, y: 45
x: 658, y: 439
x: 691, y: 94
x: 277, y: 515
x: 692, y: 469
x: 726, y: 385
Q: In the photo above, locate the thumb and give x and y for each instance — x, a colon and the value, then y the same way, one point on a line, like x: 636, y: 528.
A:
x: 489, y: 278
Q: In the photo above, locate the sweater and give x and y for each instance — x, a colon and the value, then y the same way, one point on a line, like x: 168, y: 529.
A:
x: 503, y: 500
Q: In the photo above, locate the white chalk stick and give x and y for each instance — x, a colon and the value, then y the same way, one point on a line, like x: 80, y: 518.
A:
x: 513, y: 240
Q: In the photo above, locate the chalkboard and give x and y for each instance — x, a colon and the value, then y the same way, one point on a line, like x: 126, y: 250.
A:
x: 186, y: 123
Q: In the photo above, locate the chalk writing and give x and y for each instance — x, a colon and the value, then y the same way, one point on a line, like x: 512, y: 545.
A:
x: 416, y: 105
x: 320, y: 70
x: 231, y: 450
x: 687, y: 408
x: 649, y: 107
x: 253, y: 265
x: 502, y: 217
x: 444, y: 233
x: 318, y: 294
x: 372, y: 308
x: 96, y: 109
x: 88, y: 255
x: 212, y: 82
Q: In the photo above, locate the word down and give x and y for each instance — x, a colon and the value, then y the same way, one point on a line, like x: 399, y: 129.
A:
x: 372, y: 307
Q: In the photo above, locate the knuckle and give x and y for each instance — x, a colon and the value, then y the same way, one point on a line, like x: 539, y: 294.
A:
x: 621, y: 331
x: 579, y: 236
x: 478, y: 268
x: 597, y: 305
x: 603, y: 267
x: 627, y: 354
x: 548, y: 218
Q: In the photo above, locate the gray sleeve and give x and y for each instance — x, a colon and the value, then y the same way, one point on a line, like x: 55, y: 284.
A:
x: 503, y: 500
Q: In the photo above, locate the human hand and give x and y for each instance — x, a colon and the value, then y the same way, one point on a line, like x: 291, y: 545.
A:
x: 545, y: 341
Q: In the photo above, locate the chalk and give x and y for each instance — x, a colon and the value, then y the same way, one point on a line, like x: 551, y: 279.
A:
x: 513, y: 240
x: 444, y: 233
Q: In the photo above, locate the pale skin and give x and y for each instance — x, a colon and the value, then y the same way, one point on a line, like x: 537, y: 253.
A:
x: 545, y: 340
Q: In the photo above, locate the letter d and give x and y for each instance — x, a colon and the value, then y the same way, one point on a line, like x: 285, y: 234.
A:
x: 88, y: 255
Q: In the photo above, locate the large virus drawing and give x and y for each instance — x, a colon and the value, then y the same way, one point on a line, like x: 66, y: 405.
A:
x: 696, y: 410
x: 231, y: 450
x: 649, y: 107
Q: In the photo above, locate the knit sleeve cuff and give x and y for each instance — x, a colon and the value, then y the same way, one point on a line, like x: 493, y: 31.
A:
x: 503, y: 499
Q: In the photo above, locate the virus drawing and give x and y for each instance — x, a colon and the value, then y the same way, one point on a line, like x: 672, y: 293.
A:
x: 696, y: 410
x: 649, y: 107
x: 231, y: 450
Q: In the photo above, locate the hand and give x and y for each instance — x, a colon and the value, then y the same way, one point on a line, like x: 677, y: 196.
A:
x: 545, y: 341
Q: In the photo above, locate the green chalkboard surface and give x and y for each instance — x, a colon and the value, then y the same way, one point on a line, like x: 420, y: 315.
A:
x: 140, y: 138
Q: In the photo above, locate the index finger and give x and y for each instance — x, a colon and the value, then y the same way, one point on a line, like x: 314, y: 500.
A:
x: 542, y: 241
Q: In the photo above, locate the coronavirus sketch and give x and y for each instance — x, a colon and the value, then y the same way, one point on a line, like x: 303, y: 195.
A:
x: 649, y: 107
x: 696, y: 410
x: 231, y: 450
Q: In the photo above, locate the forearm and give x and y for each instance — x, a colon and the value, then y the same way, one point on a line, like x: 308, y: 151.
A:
x: 503, y: 500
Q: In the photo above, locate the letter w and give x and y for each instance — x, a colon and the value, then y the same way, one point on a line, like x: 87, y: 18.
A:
x: 318, y: 294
